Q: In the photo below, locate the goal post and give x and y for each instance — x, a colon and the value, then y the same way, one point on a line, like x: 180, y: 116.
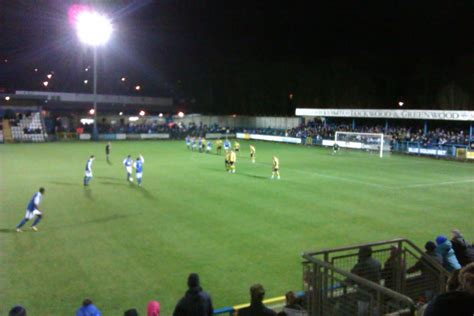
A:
x: 354, y: 140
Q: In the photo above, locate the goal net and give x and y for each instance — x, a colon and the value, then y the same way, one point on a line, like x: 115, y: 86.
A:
x: 365, y: 141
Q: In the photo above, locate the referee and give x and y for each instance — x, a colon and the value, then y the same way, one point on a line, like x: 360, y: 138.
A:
x: 107, y: 151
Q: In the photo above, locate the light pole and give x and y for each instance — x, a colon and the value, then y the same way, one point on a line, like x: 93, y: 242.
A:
x: 93, y: 29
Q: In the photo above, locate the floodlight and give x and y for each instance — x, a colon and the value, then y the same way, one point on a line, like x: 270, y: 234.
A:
x: 160, y: 115
x: 49, y: 76
x: 93, y: 28
x: 181, y: 114
x: 36, y: 69
x: 45, y: 83
x: 123, y: 79
x: 142, y: 113
x: 86, y: 81
x: 137, y: 87
x: 120, y: 113
x: 7, y: 98
x: 400, y: 103
x: 91, y: 111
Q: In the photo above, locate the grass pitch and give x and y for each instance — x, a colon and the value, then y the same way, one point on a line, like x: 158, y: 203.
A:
x: 122, y: 245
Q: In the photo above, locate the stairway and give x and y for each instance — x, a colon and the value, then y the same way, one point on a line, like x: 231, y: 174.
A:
x: 7, y: 131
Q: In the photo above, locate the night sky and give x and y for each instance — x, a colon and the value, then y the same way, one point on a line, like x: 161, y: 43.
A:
x: 249, y: 57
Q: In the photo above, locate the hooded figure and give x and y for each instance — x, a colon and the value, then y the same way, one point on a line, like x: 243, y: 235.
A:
x: 461, y: 248
x: 195, y: 301
x: 153, y: 308
x: 444, y: 248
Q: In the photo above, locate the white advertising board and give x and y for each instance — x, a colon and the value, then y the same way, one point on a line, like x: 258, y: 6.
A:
x: 390, y: 114
x: 270, y: 138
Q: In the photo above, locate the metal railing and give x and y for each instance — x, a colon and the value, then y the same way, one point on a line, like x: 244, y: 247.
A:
x: 390, y: 277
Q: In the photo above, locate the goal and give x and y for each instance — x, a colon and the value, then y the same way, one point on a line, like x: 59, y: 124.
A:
x: 366, y: 141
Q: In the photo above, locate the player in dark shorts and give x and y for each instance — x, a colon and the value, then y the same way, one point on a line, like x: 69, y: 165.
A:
x: 335, y: 148
x: 107, y: 151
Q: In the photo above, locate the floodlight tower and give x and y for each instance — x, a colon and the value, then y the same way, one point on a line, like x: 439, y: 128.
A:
x: 93, y: 29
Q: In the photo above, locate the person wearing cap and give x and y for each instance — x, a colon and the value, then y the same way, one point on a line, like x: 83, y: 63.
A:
x: 256, y: 308
x: 461, y: 248
x: 17, y: 311
x: 445, y: 249
x: 195, y: 301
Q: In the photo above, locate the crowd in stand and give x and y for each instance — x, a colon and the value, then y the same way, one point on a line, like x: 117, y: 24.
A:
x: 316, y: 130
x: 455, y: 255
x: 438, y: 136
x: 195, y: 302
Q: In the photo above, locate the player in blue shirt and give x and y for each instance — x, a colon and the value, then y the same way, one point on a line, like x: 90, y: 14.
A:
x: 200, y: 144
x: 188, y: 142
x: 88, y: 171
x: 208, y: 146
x: 32, y: 210
x: 227, y: 144
x: 128, y: 163
x: 138, y: 165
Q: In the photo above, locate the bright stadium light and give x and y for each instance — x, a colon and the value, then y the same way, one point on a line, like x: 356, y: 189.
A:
x: 133, y: 118
x: 45, y: 83
x: 137, y: 87
x: 36, y: 69
x: 400, y: 103
x: 120, y: 113
x: 142, y: 113
x: 160, y: 115
x: 49, y: 76
x: 93, y: 29
x: 181, y: 114
x: 86, y: 81
x: 91, y: 111
x: 123, y: 79
x: 7, y: 98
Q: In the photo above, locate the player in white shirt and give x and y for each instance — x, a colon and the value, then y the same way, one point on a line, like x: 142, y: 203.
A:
x: 128, y: 163
x: 32, y: 211
x: 88, y: 171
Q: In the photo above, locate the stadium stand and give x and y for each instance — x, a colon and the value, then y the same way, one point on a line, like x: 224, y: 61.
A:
x: 28, y: 128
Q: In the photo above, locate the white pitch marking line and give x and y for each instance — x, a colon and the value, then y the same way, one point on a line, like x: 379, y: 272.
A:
x: 422, y: 185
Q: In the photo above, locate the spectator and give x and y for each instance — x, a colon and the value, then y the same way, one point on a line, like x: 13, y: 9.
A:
x: 459, y: 302
x: 195, y: 302
x: 131, y: 312
x: 88, y: 309
x: 428, y: 275
x: 294, y: 305
x: 153, y: 308
x: 256, y: 308
x: 367, y: 267
x: 461, y: 248
x: 450, y: 262
x: 370, y: 269
x: 17, y: 311
x: 392, y: 268
x: 453, y: 282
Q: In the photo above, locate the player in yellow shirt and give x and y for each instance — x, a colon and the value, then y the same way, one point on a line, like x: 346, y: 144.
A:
x: 252, y: 153
x: 218, y: 146
x: 276, y: 168
x: 232, y: 161
x: 236, y: 147
x: 227, y: 161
